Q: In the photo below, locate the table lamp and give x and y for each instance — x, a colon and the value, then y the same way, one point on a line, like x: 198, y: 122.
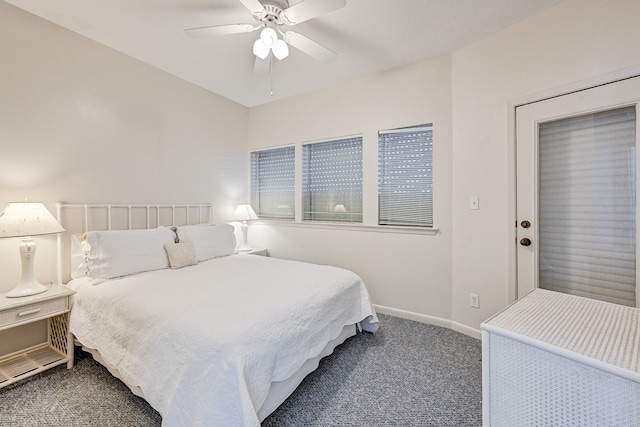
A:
x: 27, y: 219
x: 244, y: 213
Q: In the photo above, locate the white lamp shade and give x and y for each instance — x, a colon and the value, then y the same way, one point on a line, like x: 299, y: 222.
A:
x: 280, y: 49
x: 260, y: 49
x: 244, y: 213
x: 268, y: 37
x: 19, y: 219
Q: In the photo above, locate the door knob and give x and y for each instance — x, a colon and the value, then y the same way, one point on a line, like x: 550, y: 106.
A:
x: 525, y: 242
x: 525, y: 224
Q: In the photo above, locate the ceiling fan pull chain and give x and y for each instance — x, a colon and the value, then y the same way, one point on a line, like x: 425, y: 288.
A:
x: 271, y: 73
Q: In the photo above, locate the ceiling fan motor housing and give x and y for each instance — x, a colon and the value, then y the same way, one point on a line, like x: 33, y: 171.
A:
x: 278, y: 4
x: 273, y: 8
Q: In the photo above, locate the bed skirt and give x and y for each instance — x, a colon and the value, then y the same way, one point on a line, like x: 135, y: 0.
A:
x: 279, y: 390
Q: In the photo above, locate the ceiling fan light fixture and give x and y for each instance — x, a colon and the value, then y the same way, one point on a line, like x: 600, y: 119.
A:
x: 280, y: 49
x: 268, y: 37
x: 260, y: 49
x: 271, y: 16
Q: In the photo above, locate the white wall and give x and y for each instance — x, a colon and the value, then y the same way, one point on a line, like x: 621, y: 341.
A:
x: 410, y: 272
x: 554, y: 51
x: 473, y: 91
x: 82, y: 123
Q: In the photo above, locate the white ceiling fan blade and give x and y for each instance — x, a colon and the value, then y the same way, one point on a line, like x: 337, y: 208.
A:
x: 255, y: 7
x: 262, y: 66
x: 309, y: 9
x: 219, y: 30
x: 308, y: 46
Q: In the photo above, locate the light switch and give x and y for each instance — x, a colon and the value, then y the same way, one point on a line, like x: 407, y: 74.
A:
x: 474, y: 203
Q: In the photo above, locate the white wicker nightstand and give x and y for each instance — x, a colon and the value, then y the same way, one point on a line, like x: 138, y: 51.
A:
x: 53, y: 305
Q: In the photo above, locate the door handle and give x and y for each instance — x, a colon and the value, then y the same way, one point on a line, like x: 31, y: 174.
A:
x: 525, y: 242
x: 525, y: 224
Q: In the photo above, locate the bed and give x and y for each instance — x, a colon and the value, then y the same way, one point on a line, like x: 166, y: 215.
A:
x: 207, y: 336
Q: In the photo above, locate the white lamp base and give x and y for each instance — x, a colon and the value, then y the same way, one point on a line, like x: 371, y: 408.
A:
x: 26, y: 289
x: 245, y: 245
x: 28, y: 284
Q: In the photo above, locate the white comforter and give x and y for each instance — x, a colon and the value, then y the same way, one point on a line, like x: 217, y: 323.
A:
x: 205, y: 342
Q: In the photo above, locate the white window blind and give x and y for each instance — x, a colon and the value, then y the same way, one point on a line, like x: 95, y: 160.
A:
x: 405, y: 176
x: 273, y: 183
x: 587, y: 198
x: 332, y: 180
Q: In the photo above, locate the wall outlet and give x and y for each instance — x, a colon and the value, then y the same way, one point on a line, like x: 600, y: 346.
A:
x: 474, y: 300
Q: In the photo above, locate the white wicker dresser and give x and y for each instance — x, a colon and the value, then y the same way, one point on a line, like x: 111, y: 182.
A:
x: 552, y: 359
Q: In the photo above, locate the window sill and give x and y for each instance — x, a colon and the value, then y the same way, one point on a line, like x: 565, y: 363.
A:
x: 429, y: 231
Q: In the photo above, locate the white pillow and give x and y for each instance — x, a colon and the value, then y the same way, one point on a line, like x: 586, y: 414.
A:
x: 209, y: 241
x: 117, y: 253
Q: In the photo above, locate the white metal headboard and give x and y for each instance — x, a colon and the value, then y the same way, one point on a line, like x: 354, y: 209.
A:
x: 153, y: 215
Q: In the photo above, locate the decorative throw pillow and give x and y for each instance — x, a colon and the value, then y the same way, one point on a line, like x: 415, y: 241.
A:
x: 80, y: 256
x: 181, y: 254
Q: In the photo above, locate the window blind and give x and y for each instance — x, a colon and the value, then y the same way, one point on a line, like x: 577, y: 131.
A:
x: 587, y: 199
x: 405, y: 176
x: 273, y: 183
x: 332, y: 180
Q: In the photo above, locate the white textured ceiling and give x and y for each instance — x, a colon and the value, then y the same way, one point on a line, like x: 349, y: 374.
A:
x: 369, y: 36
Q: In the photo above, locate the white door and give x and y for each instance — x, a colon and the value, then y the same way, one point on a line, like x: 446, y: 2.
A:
x: 576, y: 193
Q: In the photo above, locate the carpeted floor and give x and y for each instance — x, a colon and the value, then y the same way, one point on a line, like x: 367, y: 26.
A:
x: 407, y: 374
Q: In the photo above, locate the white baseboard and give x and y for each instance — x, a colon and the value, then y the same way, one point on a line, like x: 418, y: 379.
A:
x: 467, y: 330
x: 431, y: 320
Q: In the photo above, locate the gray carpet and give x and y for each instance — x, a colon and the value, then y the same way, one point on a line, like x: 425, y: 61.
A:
x: 407, y: 374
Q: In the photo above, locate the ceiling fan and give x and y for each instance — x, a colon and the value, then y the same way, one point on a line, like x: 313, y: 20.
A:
x: 272, y: 15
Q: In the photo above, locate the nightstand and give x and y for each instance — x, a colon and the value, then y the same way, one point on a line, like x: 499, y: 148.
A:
x: 259, y: 251
x: 53, y: 305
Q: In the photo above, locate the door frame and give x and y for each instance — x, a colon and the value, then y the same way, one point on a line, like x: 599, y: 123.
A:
x: 624, y: 74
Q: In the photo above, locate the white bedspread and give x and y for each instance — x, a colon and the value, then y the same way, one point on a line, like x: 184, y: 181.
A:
x: 205, y: 342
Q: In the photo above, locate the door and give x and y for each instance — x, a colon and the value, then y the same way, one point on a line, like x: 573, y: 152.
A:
x: 576, y: 189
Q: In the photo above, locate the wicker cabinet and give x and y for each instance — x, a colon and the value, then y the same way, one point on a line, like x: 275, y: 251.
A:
x: 553, y: 359
x: 53, y: 305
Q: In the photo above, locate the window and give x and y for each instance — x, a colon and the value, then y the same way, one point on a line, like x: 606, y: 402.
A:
x: 587, y: 205
x: 332, y: 180
x: 405, y: 176
x: 273, y: 183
